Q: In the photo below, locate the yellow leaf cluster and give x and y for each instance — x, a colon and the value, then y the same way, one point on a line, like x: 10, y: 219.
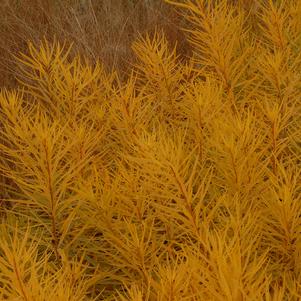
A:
x: 182, y: 182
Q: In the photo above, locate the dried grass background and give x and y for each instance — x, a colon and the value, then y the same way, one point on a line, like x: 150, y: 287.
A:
x: 99, y: 29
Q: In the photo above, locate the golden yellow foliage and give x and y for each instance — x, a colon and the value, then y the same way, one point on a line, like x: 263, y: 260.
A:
x: 181, y: 183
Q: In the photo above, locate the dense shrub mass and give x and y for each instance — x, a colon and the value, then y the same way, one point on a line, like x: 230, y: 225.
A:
x: 181, y: 182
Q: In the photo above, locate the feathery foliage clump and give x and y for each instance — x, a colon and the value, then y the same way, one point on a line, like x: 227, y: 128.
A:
x: 182, y: 183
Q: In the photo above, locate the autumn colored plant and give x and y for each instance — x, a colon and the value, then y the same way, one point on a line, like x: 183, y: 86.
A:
x: 181, y: 182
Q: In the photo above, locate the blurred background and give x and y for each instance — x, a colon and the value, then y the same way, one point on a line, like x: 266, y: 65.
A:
x: 99, y: 29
